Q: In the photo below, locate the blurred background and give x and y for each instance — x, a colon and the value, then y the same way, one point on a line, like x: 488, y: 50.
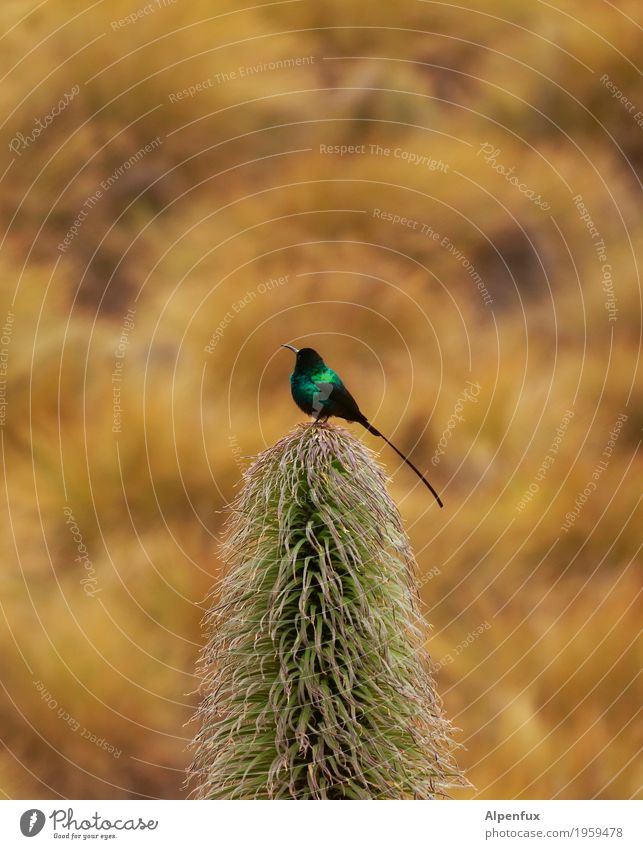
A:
x: 444, y: 201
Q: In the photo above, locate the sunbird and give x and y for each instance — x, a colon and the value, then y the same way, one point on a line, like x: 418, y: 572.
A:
x: 320, y: 392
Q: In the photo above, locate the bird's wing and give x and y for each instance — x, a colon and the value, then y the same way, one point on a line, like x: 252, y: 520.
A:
x: 326, y: 375
x: 340, y: 401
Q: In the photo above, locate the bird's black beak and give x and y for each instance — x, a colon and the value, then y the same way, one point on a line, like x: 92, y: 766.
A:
x: 292, y: 348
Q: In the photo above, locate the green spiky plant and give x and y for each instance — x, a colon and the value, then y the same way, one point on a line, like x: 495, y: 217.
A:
x: 316, y: 683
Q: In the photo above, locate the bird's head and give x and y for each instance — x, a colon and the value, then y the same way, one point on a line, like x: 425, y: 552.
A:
x: 307, y: 358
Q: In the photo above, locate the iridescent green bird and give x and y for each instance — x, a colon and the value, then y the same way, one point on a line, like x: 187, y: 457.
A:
x: 320, y: 392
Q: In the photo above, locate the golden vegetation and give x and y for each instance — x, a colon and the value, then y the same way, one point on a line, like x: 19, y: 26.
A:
x: 536, y: 627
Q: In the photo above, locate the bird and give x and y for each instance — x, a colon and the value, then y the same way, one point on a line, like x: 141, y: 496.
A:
x: 320, y: 392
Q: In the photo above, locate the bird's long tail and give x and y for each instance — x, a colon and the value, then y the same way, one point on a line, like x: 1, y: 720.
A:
x: 369, y: 427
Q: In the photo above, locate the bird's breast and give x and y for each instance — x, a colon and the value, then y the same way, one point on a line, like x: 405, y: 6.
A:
x: 303, y: 391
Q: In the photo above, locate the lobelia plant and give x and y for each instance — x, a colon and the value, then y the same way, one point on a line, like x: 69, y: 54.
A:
x: 316, y: 683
